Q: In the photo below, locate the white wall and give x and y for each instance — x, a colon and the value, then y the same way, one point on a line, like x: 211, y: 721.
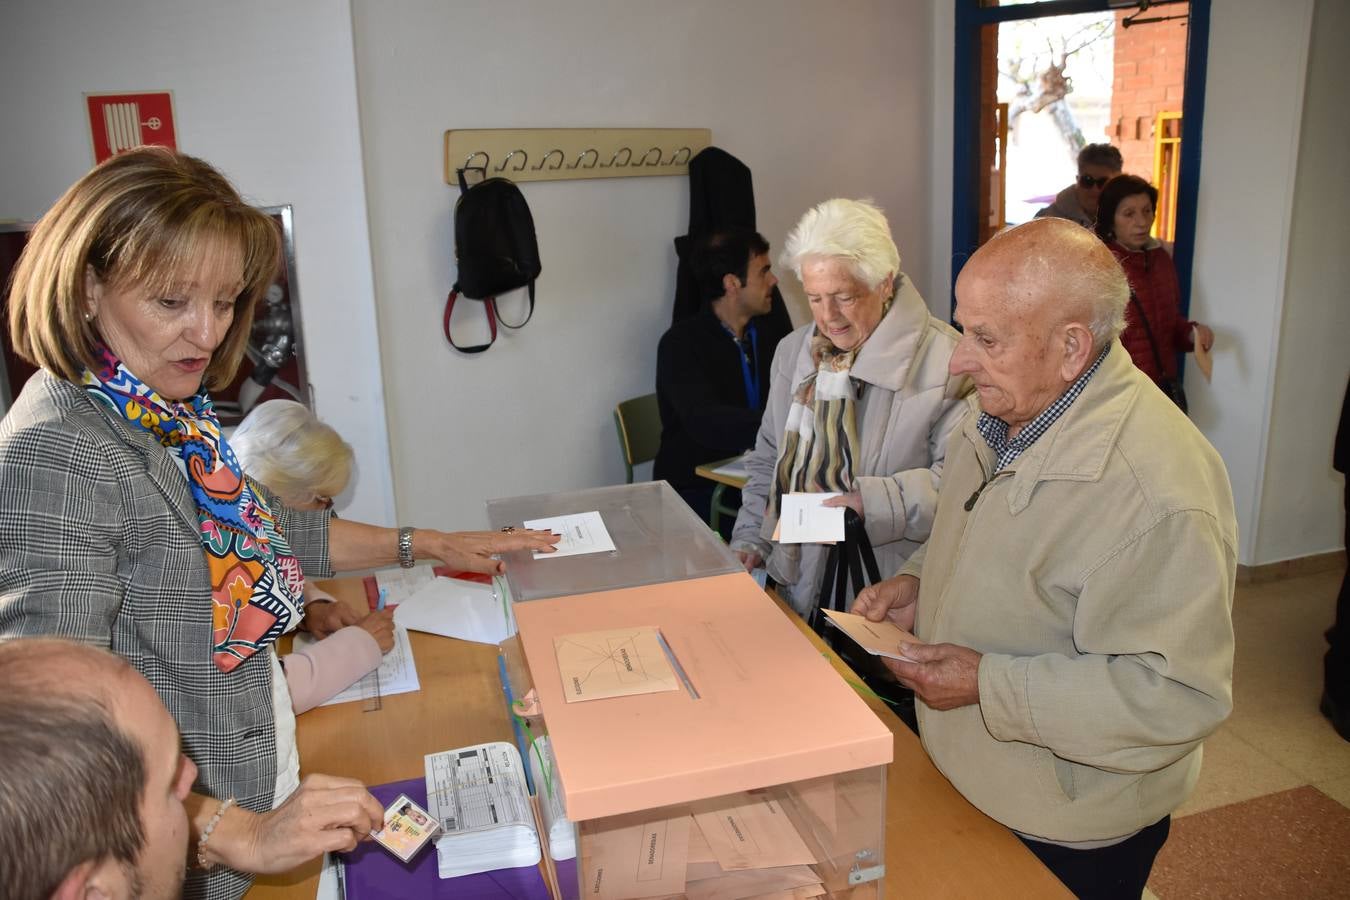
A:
x: 1253, y: 110
x: 942, y: 76
x: 267, y: 92
x: 1301, y: 496
x: 818, y: 100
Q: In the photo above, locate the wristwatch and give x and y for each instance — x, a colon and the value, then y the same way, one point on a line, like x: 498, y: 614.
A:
x: 405, y: 551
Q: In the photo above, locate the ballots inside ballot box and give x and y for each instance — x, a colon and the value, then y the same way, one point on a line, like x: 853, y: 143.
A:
x: 763, y: 773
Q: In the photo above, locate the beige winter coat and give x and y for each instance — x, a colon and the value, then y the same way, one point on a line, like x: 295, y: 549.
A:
x: 1096, y: 576
x: 908, y: 407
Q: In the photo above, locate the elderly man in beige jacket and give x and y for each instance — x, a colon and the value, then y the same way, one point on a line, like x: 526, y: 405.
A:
x: 1074, y: 600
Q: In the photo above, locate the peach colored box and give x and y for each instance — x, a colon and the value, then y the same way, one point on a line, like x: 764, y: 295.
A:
x: 771, y: 709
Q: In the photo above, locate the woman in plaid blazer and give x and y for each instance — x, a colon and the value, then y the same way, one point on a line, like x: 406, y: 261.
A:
x: 124, y: 519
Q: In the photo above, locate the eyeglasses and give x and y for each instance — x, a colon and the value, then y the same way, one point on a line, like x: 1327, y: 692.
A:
x: 1088, y: 181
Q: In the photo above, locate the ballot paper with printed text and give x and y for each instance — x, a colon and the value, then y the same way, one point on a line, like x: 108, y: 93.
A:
x: 480, y: 797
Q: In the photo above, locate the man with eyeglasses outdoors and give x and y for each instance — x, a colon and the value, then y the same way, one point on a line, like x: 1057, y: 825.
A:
x: 1097, y: 164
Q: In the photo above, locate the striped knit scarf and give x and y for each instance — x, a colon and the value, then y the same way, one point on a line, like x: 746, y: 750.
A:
x: 256, y: 583
x: 820, y: 439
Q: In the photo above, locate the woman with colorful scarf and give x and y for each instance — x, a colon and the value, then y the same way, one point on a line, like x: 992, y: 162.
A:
x: 861, y: 402
x: 127, y: 522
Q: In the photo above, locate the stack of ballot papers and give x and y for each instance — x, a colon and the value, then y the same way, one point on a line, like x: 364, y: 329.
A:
x: 731, y: 848
x: 561, y: 833
x: 480, y: 797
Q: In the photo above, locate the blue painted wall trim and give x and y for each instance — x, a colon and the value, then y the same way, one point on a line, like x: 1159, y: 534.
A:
x: 970, y: 17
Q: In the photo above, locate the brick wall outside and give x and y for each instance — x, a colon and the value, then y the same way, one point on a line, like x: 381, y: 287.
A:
x: 1150, y: 69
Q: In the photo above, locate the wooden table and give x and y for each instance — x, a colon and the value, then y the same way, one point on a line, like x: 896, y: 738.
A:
x: 724, y: 481
x: 708, y: 471
x: 937, y: 844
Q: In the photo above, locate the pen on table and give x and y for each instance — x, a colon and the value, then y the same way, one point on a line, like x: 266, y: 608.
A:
x: 380, y: 601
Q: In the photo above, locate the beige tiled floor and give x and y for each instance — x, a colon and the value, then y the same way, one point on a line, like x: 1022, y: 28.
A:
x: 1276, y: 739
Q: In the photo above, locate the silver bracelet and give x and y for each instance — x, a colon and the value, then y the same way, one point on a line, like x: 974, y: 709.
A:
x: 405, y: 548
x: 206, y: 833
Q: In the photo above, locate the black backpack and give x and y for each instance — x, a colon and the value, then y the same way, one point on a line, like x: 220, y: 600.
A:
x: 495, y: 250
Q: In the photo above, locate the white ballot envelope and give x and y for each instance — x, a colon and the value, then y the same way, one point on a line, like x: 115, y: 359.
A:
x: 581, y: 533
x: 802, y: 520
x: 457, y: 609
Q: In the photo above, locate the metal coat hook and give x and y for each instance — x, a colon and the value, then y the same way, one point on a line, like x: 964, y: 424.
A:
x: 487, y: 160
x: 675, y: 157
x: 613, y: 160
x: 549, y: 155
x: 524, y: 159
x: 655, y: 162
x: 595, y: 158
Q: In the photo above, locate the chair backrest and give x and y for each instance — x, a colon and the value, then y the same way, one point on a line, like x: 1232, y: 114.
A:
x: 639, y: 424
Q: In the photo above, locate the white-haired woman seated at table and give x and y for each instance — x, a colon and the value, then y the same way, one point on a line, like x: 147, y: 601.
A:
x: 306, y: 463
x: 860, y: 402
x: 302, y: 459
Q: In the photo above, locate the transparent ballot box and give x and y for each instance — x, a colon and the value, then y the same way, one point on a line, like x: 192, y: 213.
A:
x: 697, y: 745
x: 656, y: 538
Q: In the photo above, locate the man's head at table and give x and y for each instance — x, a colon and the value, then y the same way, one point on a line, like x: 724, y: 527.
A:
x: 734, y: 275
x: 93, y: 774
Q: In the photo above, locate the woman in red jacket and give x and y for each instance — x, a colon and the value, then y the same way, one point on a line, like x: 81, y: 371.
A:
x: 1156, y: 331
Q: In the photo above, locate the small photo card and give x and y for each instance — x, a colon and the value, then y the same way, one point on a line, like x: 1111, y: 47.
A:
x: 407, y: 828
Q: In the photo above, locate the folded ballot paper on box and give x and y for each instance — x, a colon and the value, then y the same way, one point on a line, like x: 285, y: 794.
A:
x: 481, y: 798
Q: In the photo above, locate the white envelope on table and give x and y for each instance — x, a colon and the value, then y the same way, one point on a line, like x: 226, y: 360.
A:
x: 457, y: 609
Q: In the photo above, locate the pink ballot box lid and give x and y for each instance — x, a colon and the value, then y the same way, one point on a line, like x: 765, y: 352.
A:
x: 771, y: 710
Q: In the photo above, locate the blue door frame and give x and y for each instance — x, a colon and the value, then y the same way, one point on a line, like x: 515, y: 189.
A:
x: 970, y: 17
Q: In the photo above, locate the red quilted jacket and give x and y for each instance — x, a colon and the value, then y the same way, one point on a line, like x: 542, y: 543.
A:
x: 1153, y: 279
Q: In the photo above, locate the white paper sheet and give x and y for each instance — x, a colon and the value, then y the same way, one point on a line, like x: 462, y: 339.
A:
x: 804, y: 521
x: 398, y: 672
x: 403, y: 583
x: 734, y: 468
x: 479, y: 796
x: 457, y: 609
x: 330, y: 880
x: 581, y: 533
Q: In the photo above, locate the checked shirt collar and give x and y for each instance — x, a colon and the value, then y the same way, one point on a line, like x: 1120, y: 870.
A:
x: 995, y: 430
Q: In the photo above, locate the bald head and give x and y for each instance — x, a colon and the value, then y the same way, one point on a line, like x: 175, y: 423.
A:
x: 1058, y: 270
x: 1037, y: 304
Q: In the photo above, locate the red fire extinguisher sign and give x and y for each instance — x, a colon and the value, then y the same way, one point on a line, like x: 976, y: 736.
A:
x: 119, y: 122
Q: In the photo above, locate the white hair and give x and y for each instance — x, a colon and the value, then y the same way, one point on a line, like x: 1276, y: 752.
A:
x: 1106, y: 292
x: 285, y: 446
x: 855, y: 231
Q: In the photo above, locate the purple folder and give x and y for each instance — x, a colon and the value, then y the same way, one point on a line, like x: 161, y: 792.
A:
x: 372, y: 873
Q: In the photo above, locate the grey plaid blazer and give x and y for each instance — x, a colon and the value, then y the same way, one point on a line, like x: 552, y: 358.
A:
x: 99, y: 543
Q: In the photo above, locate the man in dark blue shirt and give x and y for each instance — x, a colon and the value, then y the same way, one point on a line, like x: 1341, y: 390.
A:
x: 712, y: 369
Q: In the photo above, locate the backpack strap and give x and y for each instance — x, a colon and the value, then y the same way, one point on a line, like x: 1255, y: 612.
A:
x: 528, y: 316
x: 489, y: 305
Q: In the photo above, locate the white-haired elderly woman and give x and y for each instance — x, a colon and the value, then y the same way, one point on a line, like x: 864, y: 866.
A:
x: 303, y: 460
x: 860, y: 402
x: 306, y: 463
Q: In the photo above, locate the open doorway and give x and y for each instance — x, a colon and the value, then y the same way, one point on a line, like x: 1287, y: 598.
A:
x: 1038, y: 81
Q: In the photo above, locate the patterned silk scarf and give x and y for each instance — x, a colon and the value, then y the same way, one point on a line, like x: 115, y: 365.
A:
x: 256, y: 582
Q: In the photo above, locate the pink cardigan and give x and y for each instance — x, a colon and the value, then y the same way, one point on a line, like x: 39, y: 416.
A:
x: 319, y: 671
